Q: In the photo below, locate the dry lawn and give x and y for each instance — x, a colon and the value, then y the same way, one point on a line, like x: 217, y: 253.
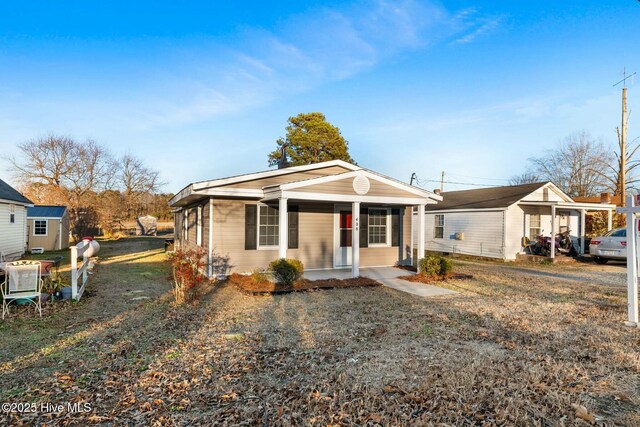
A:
x: 510, y: 349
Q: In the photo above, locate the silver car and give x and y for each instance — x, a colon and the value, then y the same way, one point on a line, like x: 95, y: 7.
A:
x: 613, y: 245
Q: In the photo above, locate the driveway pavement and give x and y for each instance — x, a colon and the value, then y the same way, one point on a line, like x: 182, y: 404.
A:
x: 388, y: 276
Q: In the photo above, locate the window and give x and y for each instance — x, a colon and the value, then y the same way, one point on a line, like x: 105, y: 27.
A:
x: 438, y: 227
x: 12, y: 218
x: 40, y: 227
x: 378, y: 227
x: 185, y: 219
x: 268, y: 228
x: 534, y: 226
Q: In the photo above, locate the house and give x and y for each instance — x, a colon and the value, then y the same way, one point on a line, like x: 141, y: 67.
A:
x: 328, y: 215
x: 48, y: 227
x: 491, y: 222
x: 13, y: 222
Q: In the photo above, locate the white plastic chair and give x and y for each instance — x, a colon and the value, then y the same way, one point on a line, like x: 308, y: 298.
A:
x: 22, y: 281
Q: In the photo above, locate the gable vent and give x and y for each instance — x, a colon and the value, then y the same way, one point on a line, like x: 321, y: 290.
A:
x: 361, y: 185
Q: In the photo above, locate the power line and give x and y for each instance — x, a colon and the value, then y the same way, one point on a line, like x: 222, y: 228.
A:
x: 422, y: 182
x: 478, y: 177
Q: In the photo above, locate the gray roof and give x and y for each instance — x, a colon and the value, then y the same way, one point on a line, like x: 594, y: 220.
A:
x: 46, y: 211
x: 485, y: 198
x: 7, y: 192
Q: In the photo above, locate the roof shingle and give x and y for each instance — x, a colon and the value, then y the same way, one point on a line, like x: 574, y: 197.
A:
x: 7, y: 192
x: 485, y: 198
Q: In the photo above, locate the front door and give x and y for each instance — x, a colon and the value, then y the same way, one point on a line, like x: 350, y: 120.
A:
x: 342, y: 237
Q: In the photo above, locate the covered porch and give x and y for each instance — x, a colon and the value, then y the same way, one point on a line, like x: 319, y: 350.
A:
x: 556, y: 207
x: 351, y: 194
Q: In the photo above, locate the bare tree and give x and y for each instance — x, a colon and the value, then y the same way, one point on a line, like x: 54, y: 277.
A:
x: 576, y: 166
x: 136, y: 181
x: 524, y: 178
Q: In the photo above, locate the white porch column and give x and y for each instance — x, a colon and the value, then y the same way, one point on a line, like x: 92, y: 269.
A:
x: 355, y: 239
x: 553, y: 231
x: 609, y: 220
x: 421, y: 231
x: 283, y: 227
x: 583, y: 229
x: 210, y: 237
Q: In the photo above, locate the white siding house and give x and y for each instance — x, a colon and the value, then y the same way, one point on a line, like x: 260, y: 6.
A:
x: 13, y: 222
x: 491, y: 222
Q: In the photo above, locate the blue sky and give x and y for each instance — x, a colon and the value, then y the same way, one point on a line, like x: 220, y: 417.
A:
x: 202, y: 90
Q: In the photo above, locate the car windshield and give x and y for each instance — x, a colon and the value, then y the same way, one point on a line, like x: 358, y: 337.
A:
x: 620, y: 232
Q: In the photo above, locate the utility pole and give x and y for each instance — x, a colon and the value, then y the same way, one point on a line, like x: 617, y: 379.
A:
x: 622, y: 139
x: 442, y: 182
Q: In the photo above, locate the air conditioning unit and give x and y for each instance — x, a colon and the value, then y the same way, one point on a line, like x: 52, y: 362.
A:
x: 459, y: 236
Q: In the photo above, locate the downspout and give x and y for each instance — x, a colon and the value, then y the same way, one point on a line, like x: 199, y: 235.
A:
x: 504, y: 233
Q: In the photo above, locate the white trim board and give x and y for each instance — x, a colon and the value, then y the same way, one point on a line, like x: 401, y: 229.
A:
x: 364, y: 172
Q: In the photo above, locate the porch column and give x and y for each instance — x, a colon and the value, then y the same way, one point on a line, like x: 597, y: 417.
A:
x: 283, y: 228
x: 553, y: 231
x: 210, y: 238
x: 355, y: 239
x: 420, y: 232
x: 583, y: 229
x: 609, y: 220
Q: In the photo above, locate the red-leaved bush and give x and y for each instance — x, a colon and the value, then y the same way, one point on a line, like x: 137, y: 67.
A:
x: 187, y: 265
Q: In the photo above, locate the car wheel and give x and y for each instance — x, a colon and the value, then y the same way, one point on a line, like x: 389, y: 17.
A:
x: 601, y: 261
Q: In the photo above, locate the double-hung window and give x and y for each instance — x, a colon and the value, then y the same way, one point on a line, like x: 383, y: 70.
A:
x: 40, y: 227
x: 534, y: 226
x: 379, y: 227
x: 268, y: 227
x: 438, y: 227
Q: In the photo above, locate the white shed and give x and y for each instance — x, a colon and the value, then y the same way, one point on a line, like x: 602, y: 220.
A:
x: 13, y: 222
x: 491, y: 222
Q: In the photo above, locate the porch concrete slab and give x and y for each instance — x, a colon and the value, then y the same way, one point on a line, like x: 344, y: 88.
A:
x: 388, y: 276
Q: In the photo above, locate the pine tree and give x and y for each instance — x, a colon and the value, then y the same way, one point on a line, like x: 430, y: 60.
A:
x: 310, y: 139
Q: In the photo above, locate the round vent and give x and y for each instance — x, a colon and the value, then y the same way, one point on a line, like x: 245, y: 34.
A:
x: 361, y: 185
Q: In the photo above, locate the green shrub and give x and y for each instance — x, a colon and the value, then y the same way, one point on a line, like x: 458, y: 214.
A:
x: 286, y: 271
x: 446, y: 266
x: 260, y: 276
x: 433, y: 265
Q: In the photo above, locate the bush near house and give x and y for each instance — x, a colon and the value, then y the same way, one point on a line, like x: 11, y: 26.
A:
x: 188, y: 266
x: 433, y: 265
x: 285, y: 271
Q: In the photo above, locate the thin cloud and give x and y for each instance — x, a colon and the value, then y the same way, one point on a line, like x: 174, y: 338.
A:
x: 473, y: 25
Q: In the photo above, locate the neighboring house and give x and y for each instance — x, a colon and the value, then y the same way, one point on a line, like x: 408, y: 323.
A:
x: 491, y: 222
x: 328, y: 215
x: 48, y: 227
x: 13, y: 221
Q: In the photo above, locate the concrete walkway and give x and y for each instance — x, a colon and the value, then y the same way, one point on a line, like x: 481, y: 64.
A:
x: 388, y: 276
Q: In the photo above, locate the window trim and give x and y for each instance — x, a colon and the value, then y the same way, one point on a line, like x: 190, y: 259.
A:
x: 436, y: 226
x: 186, y: 224
x: 387, y: 243
x: 266, y: 247
x: 46, y: 228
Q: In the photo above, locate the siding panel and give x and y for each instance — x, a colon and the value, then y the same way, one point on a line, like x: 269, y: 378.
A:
x: 13, y: 237
x: 483, y: 233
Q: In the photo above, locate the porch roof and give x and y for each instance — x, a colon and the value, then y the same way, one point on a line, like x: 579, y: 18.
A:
x: 572, y: 205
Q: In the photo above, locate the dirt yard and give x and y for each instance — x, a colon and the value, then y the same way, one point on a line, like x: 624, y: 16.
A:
x: 517, y: 346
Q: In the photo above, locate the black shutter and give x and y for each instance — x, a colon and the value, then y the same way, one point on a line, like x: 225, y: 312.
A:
x: 250, y: 226
x: 395, y: 227
x: 293, y: 227
x: 364, y: 227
